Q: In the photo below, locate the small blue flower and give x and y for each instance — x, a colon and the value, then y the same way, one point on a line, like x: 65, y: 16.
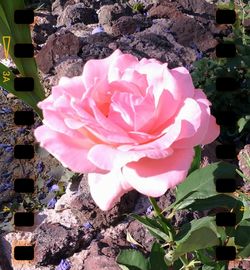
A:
x: 98, y: 29
x: 6, y: 174
x: 5, y: 186
x: 48, y: 182
x: 51, y: 203
x: 133, y: 245
x: 2, y: 124
x: 9, y: 149
x: 5, y: 110
x: 64, y: 265
x: 199, y: 55
x: 21, y: 130
x: 4, y: 145
x: 149, y: 210
x: 54, y: 188
x: 4, y: 91
x: 40, y: 166
x: 41, y: 196
x: 87, y: 225
x: 9, y: 159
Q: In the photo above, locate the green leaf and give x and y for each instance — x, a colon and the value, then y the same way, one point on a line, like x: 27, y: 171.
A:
x: 221, y: 200
x: 133, y: 259
x: 245, y: 252
x: 242, y: 233
x: 196, y: 161
x: 130, y: 239
x: 191, y: 236
x: 28, y: 97
x: 123, y: 267
x: 203, y: 182
x: 177, y: 202
x: 156, y: 259
x: 241, y: 123
x: 20, y: 33
x: 202, y: 255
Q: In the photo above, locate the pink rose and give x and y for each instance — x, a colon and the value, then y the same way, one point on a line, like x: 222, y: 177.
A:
x: 130, y: 124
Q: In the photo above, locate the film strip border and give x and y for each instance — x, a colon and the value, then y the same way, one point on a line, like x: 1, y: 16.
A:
x: 23, y: 251
x: 225, y: 151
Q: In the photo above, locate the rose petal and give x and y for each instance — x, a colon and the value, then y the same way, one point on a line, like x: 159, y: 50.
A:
x: 114, y: 133
x: 162, y: 142
x: 73, y: 87
x: 107, y: 189
x: 153, y: 177
x: 106, y: 68
x: 133, y: 76
x: 180, y: 83
x: 71, y: 153
x: 213, y: 131
x: 107, y: 157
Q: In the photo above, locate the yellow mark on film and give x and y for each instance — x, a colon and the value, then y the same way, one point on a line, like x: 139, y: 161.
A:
x: 6, y: 45
x: 6, y: 76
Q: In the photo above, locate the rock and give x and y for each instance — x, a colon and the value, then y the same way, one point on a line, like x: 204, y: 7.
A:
x: 77, y: 260
x: 95, y: 51
x: 54, y: 242
x: 77, y: 13
x: 185, y: 27
x: 107, y: 244
x: 142, y: 21
x: 165, y: 10
x: 124, y: 25
x: 187, y: 31
x: 109, y: 13
x: 100, y: 262
x: 98, y: 38
x: 69, y: 67
x: 244, y: 167
x: 44, y: 27
x: 58, y: 6
x: 5, y: 251
x: 87, y: 210
x: 157, y: 42
x: 84, y: 207
x: 141, y: 235
x: 57, y: 48
x: 198, y: 7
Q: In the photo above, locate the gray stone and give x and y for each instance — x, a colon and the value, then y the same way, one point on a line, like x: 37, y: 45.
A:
x: 199, y: 7
x: 69, y: 67
x: 77, y: 13
x: 57, y: 6
x: 124, y: 25
x: 55, y: 242
x: 57, y: 48
x: 95, y: 51
x: 109, y: 13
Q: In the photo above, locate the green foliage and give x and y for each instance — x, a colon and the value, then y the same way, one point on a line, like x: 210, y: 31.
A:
x: 207, y: 70
x: 26, y: 66
x: 191, y: 236
x: 198, y: 192
x: 135, y: 260
x: 136, y: 6
x: 202, y: 182
x: 197, y: 160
